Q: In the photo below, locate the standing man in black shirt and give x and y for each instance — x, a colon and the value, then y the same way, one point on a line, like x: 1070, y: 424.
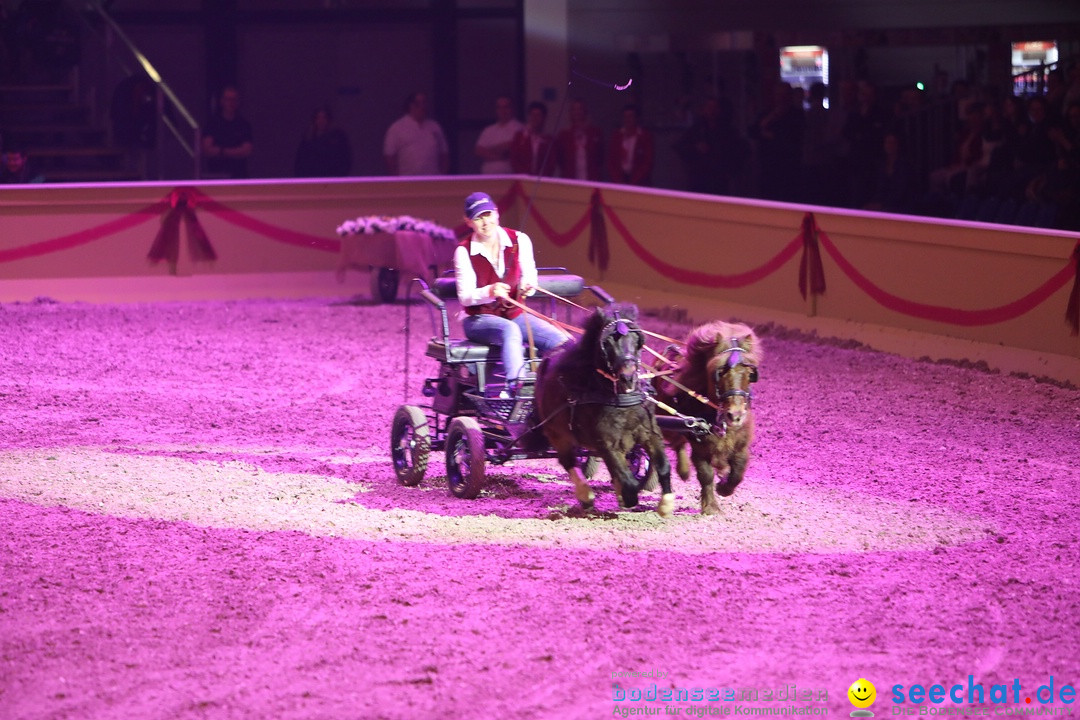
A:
x: 226, y: 140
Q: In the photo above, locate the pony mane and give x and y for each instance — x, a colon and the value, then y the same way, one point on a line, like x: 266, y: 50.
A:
x: 706, y: 341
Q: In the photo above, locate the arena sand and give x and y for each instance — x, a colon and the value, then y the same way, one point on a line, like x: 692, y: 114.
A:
x: 199, y: 519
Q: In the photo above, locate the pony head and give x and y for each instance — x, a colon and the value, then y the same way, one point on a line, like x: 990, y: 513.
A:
x: 619, y: 344
x: 730, y: 372
x: 727, y: 355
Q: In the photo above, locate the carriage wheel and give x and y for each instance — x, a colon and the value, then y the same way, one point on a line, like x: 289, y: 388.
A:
x: 410, y: 444
x: 641, y: 467
x: 465, y: 457
x: 384, y: 284
x: 590, y: 466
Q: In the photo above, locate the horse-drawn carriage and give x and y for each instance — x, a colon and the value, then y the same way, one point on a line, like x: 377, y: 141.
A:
x: 591, y: 402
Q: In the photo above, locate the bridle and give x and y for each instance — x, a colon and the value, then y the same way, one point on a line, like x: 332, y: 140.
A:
x: 611, y: 335
x: 620, y: 328
x: 734, y: 359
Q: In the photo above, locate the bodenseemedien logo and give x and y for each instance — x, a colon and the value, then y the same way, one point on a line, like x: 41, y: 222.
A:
x: 862, y: 695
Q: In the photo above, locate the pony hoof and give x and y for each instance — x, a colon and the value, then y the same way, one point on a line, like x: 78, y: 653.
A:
x: 587, y: 504
x: 666, y: 508
x: 710, y: 509
x: 726, y: 490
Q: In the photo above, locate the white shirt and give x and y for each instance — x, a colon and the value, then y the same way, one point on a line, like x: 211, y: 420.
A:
x: 468, y: 293
x: 496, y: 134
x: 581, y: 162
x: 628, y: 144
x: 417, y: 146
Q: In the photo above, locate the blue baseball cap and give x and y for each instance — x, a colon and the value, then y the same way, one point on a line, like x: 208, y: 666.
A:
x: 478, y: 203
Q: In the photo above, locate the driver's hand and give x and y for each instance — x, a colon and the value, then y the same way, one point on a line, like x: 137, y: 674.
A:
x: 500, y: 290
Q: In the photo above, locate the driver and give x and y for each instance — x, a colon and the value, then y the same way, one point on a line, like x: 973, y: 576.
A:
x: 492, y: 266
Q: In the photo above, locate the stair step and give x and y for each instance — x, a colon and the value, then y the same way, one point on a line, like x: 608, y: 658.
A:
x: 53, y: 134
x: 32, y: 87
x: 84, y: 152
x: 57, y: 112
x: 77, y: 159
x: 37, y: 93
x: 73, y: 175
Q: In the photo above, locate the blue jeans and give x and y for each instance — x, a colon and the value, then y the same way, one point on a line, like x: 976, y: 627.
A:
x: 511, y: 335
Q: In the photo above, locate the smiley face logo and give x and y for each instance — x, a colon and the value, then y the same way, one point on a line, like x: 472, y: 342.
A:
x: 862, y: 693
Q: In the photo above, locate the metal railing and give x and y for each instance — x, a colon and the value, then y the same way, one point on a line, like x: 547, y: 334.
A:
x: 169, y: 112
x: 1033, y: 81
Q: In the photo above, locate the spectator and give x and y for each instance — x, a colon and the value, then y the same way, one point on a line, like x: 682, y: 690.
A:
x: 1035, y: 152
x: 821, y: 151
x: 227, y: 139
x: 532, y: 147
x: 1056, y: 87
x: 493, y: 145
x: 324, y: 150
x: 711, y: 149
x: 415, y: 144
x: 778, y: 133
x: 631, y: 152
x: 580, y: 146
x: 1072, y: 89
x: 963, y: 172
x: 134, y: 111
x: 16, y: 168
x: 864, y: 131
x: 1063, y: 180
x: 894, y: 183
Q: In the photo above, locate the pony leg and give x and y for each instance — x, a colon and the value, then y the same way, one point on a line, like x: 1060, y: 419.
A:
x: 662, y: 466
x: 682, y: 458
x: 705, y: 476
x: 735, y: 476
x: 582, y: 491
x: 584, y: 494
x: 626, y: 488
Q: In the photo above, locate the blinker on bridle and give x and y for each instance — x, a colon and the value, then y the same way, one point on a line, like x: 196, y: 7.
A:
x: 734, y: 359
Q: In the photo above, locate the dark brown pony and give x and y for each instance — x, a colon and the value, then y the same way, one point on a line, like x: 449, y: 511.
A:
x: 589, y: 397
x: 712, y: 381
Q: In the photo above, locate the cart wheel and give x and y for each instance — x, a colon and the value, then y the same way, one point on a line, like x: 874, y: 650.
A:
x: 641, y: 467
x: 465, y: 457
x: 591, y: 465
x: 410, y: 444
x: 384, y: 284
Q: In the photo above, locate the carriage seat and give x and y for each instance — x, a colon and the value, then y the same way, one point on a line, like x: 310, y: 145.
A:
x: 461, y: 351
x: 563, y: 285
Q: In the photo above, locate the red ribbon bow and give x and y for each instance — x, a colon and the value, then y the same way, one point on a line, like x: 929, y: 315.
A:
x: 167, y: 243
x: 598, y: 242
x: 1072, y: 311
x: 811, y: 271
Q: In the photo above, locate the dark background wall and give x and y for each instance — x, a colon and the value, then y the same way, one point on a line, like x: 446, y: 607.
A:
x: 364, y: 56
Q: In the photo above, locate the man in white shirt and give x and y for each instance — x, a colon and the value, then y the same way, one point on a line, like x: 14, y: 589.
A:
x: 493, y: 145
x: 414, y: 143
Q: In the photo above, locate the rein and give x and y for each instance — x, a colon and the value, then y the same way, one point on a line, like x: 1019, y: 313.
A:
x: 553, y: 321
x: 579, y: 307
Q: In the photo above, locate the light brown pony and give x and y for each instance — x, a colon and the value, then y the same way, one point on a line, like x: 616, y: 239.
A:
x: 720, y: 361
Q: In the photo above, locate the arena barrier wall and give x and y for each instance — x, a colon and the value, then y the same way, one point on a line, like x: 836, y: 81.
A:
x: 1004, y: 295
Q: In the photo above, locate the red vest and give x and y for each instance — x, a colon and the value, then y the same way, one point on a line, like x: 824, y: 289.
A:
x: 486, y: 275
